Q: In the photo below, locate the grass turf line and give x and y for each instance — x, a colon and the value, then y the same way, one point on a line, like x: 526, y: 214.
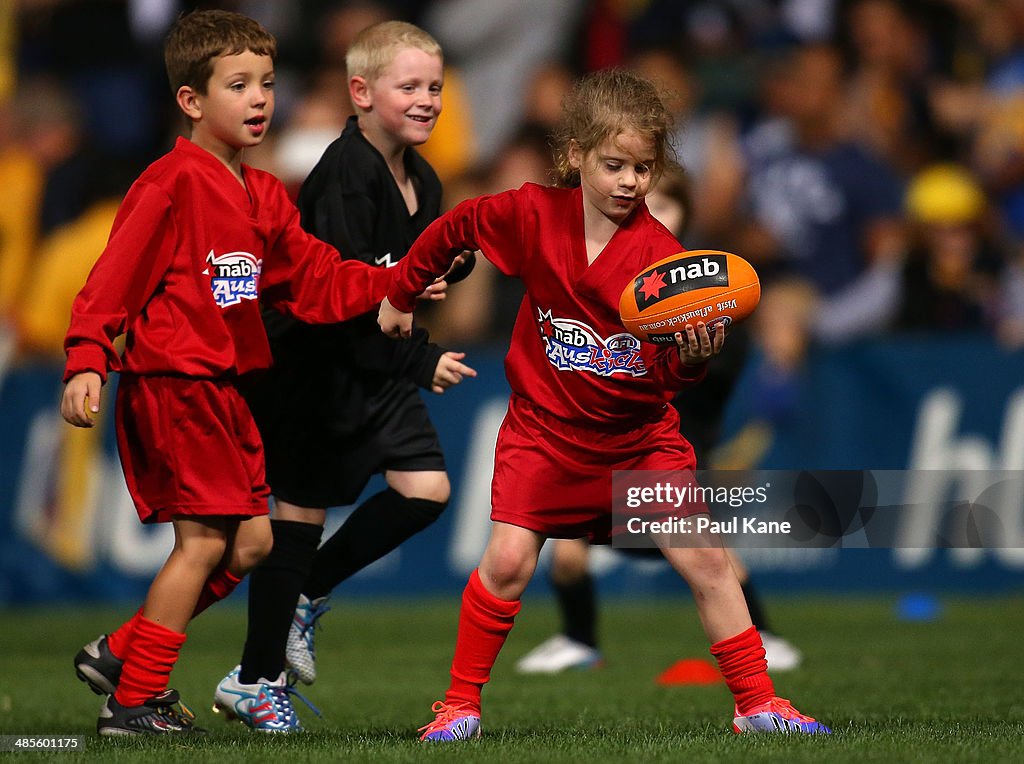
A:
x: 892, y: 690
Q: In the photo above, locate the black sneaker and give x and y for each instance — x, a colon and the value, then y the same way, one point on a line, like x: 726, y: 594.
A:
x: 163, y: 715
x: 98, y: 667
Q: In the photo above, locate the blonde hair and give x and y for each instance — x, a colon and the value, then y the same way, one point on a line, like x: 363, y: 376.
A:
x: 375, y: 47
x: 604, y: 104
x: 199, y: 37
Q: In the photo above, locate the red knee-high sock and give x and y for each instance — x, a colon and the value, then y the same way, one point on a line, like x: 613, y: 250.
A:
x: 218, y: 586
x: 742, y: 663
x: 152, y: 653
x: 484, y: 622
x: 119, y: 640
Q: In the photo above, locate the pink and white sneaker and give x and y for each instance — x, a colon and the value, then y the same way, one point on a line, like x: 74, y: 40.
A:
x: 456, y: 721
x: 777, y: 715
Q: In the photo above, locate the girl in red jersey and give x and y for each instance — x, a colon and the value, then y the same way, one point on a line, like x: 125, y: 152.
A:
x: 587, y: 398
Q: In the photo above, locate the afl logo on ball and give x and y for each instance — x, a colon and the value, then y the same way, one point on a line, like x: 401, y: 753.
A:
x: 679, y: 276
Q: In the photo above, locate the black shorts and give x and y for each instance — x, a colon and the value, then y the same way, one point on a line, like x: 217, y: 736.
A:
x: 318, y: 453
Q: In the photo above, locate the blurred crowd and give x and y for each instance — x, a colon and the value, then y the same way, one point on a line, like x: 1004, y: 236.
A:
x: 866, y: 155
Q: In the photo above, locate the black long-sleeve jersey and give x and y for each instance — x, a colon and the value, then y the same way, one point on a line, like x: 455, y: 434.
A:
x: 351, y: 201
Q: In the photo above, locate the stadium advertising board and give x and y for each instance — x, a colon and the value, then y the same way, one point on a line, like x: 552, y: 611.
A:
x: 946, y: 431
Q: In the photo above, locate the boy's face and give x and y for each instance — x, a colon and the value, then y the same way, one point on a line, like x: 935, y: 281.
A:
x: 615, y: 176
x: 405, y: 100
x: 236, y: 110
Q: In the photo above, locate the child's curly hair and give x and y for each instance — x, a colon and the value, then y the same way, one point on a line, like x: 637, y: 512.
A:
x: 602, y: 105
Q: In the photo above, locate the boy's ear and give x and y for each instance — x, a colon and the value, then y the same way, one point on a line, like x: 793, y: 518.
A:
x: 188, y: 102
x: 359, y: 92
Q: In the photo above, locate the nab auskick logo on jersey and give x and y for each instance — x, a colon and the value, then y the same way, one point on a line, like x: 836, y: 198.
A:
x: 678, y: 276
x: 571, y: 345
x: 234, y: 277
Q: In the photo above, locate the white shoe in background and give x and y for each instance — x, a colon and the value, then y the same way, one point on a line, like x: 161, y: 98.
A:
x: 558, y: 654
x: 780, y: 653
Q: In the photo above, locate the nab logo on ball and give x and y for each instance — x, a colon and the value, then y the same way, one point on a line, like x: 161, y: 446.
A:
x: 234, y: 277
x: 670, y: 279
x: 706, y: 285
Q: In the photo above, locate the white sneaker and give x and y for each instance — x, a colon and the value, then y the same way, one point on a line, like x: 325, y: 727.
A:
x: 265, y: 706
x: 300, y: 650
x: 558, y: 654
x: 780, y: 653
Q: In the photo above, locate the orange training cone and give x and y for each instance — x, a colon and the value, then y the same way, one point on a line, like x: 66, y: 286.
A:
x: 690, y: 671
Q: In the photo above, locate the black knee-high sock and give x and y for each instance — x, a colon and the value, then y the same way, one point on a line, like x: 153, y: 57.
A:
x: 377, y: 526
x: 274, y: 588
x: 578, y: 606
x: 757, y: 615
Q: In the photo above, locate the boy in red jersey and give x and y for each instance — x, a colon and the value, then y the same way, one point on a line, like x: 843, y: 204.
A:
x: 199, y: 237
x: 587, y: 398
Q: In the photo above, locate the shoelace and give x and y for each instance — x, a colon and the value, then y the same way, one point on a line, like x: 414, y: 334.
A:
x: 178, y: 713
x: 785, y: 709
x: 314, y: 613
x: 280, y: 696
x: 446, y: 714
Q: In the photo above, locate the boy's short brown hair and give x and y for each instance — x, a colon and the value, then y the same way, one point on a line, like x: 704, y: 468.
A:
x: 199, y: 37
x: 376, y: 47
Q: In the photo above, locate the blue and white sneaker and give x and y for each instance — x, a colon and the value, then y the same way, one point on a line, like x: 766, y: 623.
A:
x: 300, y: 651
x: 265, y: 706
x: 778, y: 715
x: 452, y: 722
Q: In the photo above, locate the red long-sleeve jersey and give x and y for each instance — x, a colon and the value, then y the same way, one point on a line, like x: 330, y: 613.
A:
x: 190, y: 254
x: 569, y: 354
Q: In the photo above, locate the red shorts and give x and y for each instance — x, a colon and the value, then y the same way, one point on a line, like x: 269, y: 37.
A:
x: 189, y: 447
x: 556, y: 478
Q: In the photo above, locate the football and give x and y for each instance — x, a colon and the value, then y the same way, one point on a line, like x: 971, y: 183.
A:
x: 718, y: 288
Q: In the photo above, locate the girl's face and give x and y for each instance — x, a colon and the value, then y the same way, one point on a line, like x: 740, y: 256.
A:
x: 616, y: 175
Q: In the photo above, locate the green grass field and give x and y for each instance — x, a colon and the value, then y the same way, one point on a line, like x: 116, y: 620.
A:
x: 948, y: 690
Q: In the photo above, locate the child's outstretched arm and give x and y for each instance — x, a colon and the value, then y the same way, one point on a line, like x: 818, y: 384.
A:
x: 308, y: 279
x: 487, y: 223
x: 475, y: 224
